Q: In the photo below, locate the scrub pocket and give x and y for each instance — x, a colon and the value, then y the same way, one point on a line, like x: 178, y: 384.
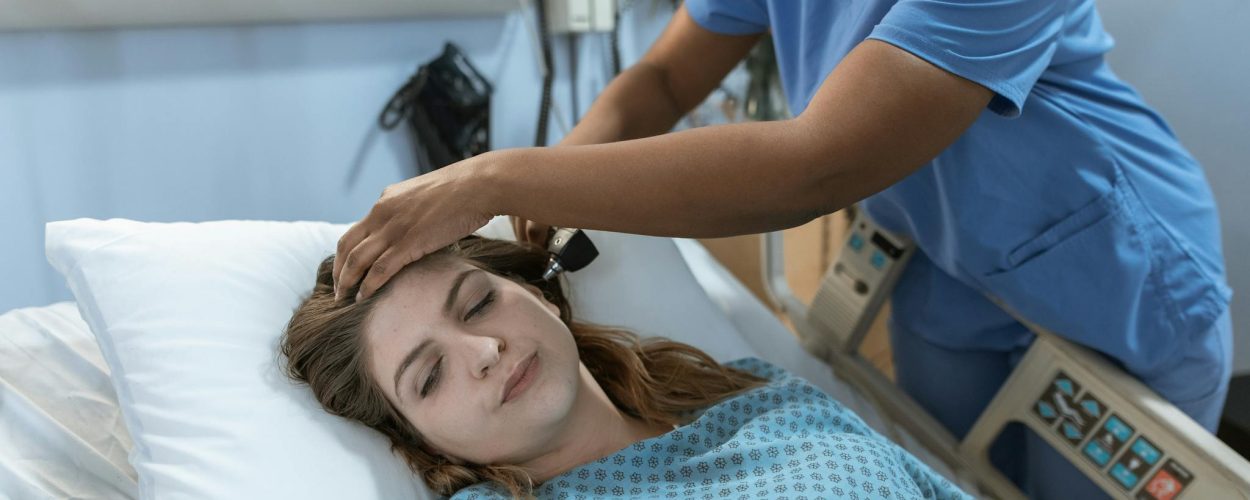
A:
x: 1110, y: 277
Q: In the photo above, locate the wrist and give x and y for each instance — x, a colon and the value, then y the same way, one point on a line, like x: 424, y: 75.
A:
x: 488, y: 180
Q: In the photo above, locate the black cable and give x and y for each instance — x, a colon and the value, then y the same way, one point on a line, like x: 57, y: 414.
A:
x: 615, y: 41
x: 544, y: 104
x: 573, y: 76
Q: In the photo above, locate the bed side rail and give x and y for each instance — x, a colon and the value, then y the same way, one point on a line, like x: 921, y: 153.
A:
x: 1126, y: 438
x: 1120, y: 433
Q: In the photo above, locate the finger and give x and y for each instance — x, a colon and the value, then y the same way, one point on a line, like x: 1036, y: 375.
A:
x: 359, y: 260
x: 382, y: 270
x: 537, y: 233
x: 347, y: 242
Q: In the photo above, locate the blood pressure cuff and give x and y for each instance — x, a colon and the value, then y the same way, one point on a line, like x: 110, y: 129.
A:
x: 446, y: 105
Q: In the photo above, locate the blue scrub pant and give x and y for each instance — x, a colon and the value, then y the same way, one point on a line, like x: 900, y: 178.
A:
x: 956, y: 385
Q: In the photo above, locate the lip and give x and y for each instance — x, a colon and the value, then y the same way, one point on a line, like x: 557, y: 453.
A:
x: 522, y: 377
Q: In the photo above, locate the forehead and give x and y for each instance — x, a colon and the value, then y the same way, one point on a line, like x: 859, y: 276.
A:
x: 410, y: 308
x: 420, y: 284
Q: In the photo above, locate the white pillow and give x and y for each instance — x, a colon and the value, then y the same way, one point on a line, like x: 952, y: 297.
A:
x: 188, y: 317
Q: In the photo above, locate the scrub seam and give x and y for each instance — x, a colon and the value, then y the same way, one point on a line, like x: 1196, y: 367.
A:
x: 918, y: 46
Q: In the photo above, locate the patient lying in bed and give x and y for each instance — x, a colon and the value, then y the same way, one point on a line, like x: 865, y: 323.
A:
x: 476, y: 371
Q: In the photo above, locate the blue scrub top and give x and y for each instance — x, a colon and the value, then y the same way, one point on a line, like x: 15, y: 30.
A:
x: 1068, y: 198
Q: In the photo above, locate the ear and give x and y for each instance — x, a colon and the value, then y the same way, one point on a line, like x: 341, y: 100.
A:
x: 539, y: 293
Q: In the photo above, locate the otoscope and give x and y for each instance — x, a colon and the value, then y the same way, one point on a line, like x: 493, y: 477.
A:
x: 570, y: 250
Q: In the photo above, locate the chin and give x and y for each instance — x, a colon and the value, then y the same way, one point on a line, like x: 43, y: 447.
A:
x: 549, y: 402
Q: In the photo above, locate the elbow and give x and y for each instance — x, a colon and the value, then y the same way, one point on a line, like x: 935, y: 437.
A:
x: 819, y: 201
x: 805, y: 201
x: 827, y: 175
x: 840, y: 166
x: 661, y: 84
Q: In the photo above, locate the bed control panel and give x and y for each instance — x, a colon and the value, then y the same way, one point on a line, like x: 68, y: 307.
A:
x: 857, y: 285
x: 1110, y: 442
x: 1118, y: 432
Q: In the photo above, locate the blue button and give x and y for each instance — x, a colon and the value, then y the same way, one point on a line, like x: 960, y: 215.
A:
x: 1046, y: 409
x: 878, y: 259
x: 1065, y: 385
x: 1071, y: 431
x: 1100, y: 455
x: 1092, y: 408
x: 1121, y: 430
x: 857, y: 242
x: 1147, y: 452
x: 1124, y: 476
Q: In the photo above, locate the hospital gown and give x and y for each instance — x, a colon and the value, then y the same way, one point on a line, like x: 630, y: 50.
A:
x: 783, y: 440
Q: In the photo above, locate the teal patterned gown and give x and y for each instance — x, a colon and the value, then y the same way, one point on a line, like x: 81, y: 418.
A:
x: 783, y: 440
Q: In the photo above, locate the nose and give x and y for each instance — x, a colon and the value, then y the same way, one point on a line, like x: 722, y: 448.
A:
x: 485, y: 351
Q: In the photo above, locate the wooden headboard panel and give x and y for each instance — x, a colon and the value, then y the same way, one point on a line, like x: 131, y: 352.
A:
x: 72, y: 14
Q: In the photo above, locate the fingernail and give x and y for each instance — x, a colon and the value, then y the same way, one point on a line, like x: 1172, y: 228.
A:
x: 358, y: 296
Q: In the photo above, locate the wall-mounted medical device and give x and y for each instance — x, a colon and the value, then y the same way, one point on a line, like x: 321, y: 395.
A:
x: 580, y: 16
x: 857, y: 285
x: 446, y: 105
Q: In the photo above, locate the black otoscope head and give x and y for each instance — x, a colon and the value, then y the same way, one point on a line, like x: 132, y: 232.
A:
x: 570, y: 250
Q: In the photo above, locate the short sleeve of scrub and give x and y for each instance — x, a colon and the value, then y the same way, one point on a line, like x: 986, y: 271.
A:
x: 738, y: 17
x: 1003, y: 45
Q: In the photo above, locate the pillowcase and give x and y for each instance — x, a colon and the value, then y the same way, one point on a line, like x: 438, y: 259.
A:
x: 188, y: 318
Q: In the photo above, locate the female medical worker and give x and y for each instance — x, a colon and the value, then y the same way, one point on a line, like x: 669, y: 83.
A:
x: 991, y: 133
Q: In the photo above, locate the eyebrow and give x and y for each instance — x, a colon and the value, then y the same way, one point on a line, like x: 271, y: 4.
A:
x: 455, y: 289
x: 412, y: 356
x: 416, y: 352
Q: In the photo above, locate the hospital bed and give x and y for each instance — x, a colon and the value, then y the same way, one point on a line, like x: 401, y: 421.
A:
x: 62, y: 434
x: 65, y: 436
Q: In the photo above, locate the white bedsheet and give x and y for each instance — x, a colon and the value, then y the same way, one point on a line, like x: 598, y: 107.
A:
x: 61, y: 432
x: 62, y: 435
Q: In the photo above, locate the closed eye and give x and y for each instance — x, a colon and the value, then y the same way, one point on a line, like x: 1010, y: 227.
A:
x: 481, y: 306
x: 432, y: 381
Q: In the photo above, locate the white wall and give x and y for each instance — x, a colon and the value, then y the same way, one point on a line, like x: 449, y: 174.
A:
x: 250, y: 122
x: 1191, y: 61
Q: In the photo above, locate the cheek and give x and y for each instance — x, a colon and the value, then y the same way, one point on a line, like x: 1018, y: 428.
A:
x: 449, y: 426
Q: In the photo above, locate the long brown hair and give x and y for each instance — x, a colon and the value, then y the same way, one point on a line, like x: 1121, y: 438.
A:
x: 656, y: 380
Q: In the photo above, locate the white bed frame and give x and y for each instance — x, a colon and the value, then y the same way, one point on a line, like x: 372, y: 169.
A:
x: 1216, y: 470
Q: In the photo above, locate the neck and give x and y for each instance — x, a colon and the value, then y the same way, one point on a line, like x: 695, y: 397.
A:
x: 596, y: 428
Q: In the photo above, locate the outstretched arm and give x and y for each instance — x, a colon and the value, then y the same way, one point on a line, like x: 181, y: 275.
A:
x: 880, y: 115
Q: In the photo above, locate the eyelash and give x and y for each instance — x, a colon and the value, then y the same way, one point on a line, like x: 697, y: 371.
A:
x: 432, y: 380
x: 486, y: 301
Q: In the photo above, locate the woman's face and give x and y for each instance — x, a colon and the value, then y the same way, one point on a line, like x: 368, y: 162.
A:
x: 480, y: 365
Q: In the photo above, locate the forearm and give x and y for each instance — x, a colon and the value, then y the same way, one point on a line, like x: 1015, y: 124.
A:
x: 636, y: 104
x: 881, y: 114
x: 708, y: 182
